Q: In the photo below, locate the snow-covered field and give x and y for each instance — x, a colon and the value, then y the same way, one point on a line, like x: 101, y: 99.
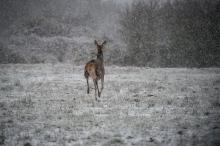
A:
x: 46, y: 105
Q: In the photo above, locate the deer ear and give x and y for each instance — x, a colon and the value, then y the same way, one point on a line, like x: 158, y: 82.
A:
x: 104, y: 43
x: 96, y: 43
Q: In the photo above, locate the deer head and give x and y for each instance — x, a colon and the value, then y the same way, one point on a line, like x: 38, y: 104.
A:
x: 100, y: 46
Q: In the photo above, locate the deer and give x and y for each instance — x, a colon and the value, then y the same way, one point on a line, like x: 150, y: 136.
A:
x: 95, y: 69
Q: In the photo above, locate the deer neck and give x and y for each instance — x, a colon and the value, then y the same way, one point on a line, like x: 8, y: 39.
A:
x: 100, y: 57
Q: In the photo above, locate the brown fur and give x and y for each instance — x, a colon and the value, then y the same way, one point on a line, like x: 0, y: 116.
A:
x: 91, y: 69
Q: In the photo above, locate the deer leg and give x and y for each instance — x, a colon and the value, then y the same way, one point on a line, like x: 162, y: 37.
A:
x: 102, y: 80
x: 87, y: 79
x: 99, y: 93
x: 95, y: 89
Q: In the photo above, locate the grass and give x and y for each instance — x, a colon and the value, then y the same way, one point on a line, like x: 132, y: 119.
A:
x: 47, y: 105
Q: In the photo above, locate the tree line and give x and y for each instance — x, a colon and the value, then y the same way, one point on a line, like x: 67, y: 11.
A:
x: 178, y: 33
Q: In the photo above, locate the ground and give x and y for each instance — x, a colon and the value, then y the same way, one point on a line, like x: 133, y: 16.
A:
x: 46, y: 105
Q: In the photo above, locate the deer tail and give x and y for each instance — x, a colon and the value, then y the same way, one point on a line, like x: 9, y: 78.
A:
x: 92, y: 73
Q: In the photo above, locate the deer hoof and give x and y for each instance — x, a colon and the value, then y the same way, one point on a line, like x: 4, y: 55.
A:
x: 97, y: 100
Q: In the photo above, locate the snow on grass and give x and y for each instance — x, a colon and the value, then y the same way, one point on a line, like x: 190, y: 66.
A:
x: 48, y: 105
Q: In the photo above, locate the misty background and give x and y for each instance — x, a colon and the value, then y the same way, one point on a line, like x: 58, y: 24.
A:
x: 177, y: 33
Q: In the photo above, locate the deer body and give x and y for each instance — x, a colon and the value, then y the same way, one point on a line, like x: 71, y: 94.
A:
x: 95, y: 70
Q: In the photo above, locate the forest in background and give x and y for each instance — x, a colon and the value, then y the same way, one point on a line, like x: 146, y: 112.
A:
x: 177, y: 33
x: 56, y: 31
